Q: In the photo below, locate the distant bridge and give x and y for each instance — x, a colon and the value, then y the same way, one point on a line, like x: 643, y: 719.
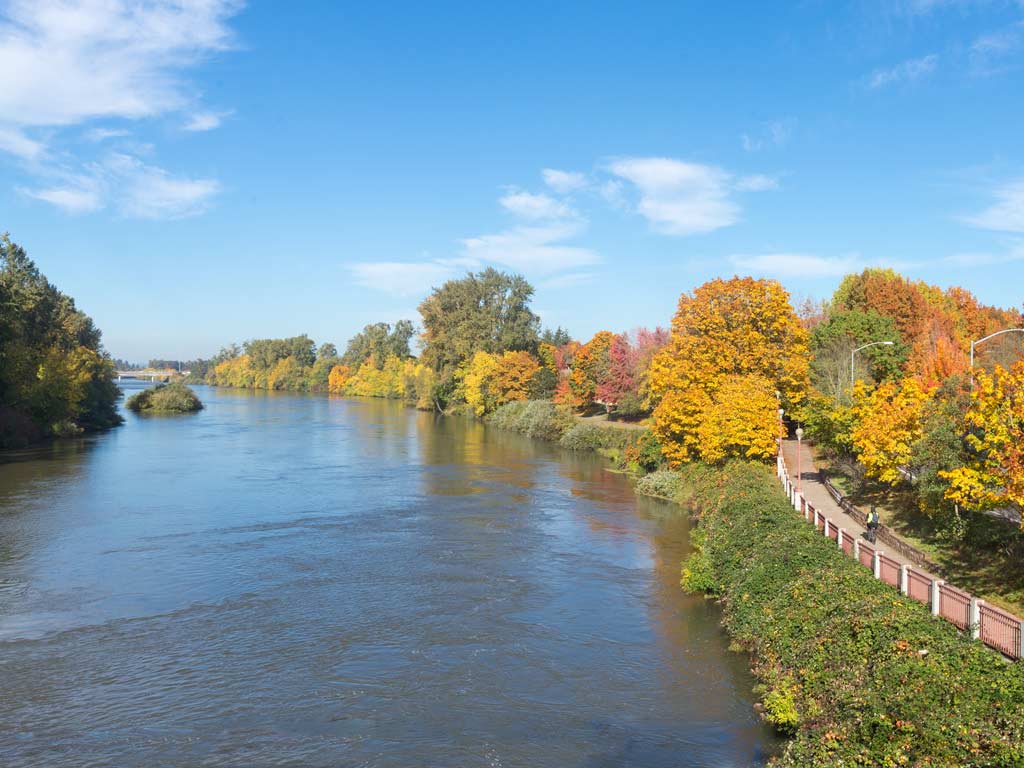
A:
x: 150, y: 374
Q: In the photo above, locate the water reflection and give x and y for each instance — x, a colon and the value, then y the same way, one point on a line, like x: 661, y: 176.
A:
x: 332, y: 582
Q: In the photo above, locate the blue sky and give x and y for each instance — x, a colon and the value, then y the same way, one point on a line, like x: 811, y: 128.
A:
x: 197, y: 172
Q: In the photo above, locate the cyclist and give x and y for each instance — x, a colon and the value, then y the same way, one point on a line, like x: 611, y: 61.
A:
x: 872, y: 524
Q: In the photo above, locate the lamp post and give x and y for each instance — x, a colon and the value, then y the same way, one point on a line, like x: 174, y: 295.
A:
x: 990, y: 336
x: 799, y: 456
x: 858, y: 349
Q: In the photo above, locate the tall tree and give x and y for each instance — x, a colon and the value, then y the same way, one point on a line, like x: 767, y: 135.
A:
x: 488, y: 311
x: 738, y: 327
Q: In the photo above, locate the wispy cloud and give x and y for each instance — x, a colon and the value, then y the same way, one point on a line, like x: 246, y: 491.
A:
x: 404, y: 278
x: 988, y: 53
x: 533, y: 250
x: 97, y: 135
x: 681, y: 198
x: 69, y: 199
x: 772, y: 134
x: 132, y: 187
x: 796, y: 264
x: 534, y: 206
x: 757, y: 183
x: 564, y: 182
x: 982, y: 259
x: 1006, y: 214
x: 69, y: 62
x: 907, y: 72
x: 66, y: 61
x: 18, y: 144
x: 205, y: 121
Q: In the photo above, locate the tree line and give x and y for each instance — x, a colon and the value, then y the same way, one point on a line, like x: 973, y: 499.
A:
x: 55, y: 377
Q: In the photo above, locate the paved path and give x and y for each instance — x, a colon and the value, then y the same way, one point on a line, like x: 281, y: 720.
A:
x: 817, y: 494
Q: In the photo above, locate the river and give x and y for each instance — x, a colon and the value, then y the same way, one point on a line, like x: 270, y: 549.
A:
x: 312, y: 581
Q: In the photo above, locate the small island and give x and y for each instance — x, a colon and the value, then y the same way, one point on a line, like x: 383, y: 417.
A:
x: 165, y: 398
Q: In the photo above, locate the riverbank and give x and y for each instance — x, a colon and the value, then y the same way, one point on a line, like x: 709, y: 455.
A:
x: 856, y: 674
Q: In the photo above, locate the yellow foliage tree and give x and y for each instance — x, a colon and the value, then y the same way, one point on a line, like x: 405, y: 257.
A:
x: 995, y: 475
x: 477, y: 378
x: 739, y: 327
x: 741, y: 420
x: 887, y: 423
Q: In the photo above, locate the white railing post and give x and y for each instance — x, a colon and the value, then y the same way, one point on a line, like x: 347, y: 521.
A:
x: 974, y: 620
x: 839, y: 538
x: 876, y: 564
x: 936, y: 595
x: 904, y: 579
x: 1020, y: 642
x: 856, y: 549
x: 826, y: 528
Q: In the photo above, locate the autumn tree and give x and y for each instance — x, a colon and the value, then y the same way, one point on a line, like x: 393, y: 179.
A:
x: 737, y: 327
x: 888, y: 422
x: 514, y: 376
x: 619, y: 378
x: 589, y: 366
x: 994, y: 473
x: 741, y: 419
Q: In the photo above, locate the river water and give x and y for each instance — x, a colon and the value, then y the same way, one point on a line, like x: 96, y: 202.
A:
x: 287, y: 580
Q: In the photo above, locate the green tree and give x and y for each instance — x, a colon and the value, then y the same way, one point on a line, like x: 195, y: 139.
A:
x: 835, y: 338
x: 488, y: 311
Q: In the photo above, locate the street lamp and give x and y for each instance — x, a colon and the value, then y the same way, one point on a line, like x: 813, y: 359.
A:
x: 990, y: 336
x: 858, y: 349
x: 799, y: 451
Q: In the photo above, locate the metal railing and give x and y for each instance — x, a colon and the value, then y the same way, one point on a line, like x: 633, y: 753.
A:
x: 994, y: 627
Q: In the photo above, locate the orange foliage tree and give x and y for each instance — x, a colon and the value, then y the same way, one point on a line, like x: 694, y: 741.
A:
x: 588, y: 367
x: 739, y: 327
x: 512, y: 376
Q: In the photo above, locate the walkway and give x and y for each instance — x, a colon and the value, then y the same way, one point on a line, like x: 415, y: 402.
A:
x: 818, y: 495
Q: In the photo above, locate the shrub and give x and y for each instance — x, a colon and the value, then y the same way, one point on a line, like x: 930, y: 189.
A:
x: 165, y: 398
x: 663, y: 483
x: 535, y: 418
x: 586, y: 436
x: 859, y: 673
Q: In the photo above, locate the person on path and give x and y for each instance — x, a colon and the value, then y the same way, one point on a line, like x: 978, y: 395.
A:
x: 872, y: 524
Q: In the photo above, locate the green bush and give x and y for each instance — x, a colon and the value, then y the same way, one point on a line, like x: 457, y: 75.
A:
x: 535, y: 418
x: 165, y: 398
x: 862, y: 675
x: 587, y: 436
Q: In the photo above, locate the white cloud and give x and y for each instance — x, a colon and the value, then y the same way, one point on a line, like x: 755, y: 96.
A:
x: 17, y: 143
x: 796, y: 264
x: 679, y: 198
x: 147, y: 192
x: 97, y: 135
x: 756, y: 183
x: 69, y: 199
x: 988, y: 53
x: 772, y: 134
x: 66, y: 61
x: 970, y: 260
x: 539, y: 250
x: 570, y: 280
x: 1007, y: 214
x: 564, y: 182
x: 135, y: 189
x: 403, y: 278
x: 906, y: 72
x: 205, y: 121
x: 534, y: 207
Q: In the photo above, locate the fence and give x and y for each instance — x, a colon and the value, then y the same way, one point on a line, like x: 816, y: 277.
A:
x: 996, y: 628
